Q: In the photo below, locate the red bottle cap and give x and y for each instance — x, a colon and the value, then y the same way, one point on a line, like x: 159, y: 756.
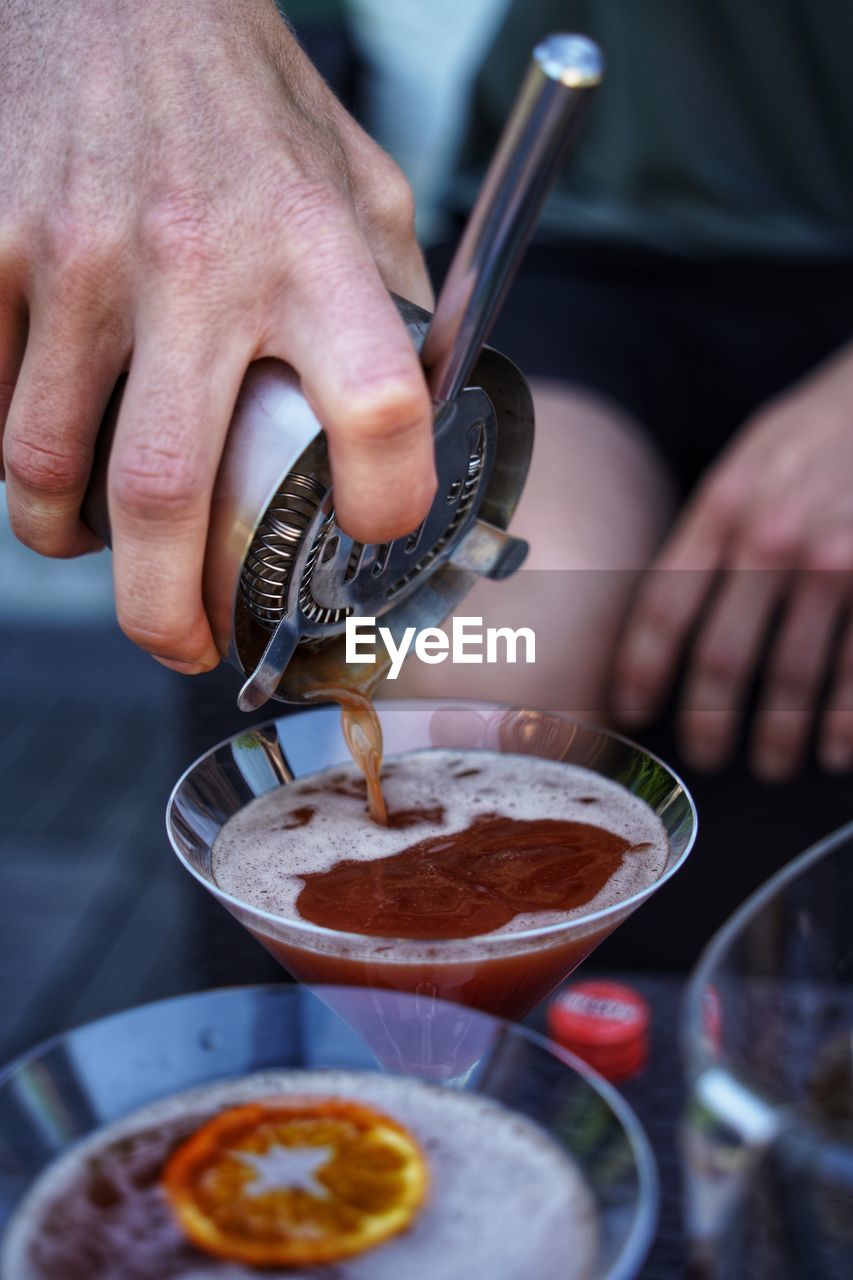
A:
x: 605, y: 1023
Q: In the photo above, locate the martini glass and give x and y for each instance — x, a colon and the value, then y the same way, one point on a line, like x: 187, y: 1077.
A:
x: 503, y: 974
x: 767, y: 1034
x: 73, y: 1085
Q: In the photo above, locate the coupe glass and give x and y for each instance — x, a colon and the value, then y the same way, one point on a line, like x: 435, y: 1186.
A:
x: 507, y: 974
x: 768, y: 1046
x: 88, y: 1078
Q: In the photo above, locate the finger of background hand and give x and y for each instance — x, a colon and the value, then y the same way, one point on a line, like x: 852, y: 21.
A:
x: 670, y: 597
x: 65, y: 381
x: 341, y: 331
x: 723, y: 660
x: 795, y: 672
x: 174, y: 416
x: 836, y: 736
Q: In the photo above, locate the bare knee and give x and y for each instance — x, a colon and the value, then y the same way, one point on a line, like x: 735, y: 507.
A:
x: 594, y: 508
x: 597, y: 495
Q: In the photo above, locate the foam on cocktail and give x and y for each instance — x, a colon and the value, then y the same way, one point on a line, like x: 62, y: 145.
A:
x: 505, y: 1200
x: 264, y: 850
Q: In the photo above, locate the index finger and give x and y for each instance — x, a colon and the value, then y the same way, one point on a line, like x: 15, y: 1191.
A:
x: 339, y: 328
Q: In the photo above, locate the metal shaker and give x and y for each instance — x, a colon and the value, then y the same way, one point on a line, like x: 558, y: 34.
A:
x: 280, y: 576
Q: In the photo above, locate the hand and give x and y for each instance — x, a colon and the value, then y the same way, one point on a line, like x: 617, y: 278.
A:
x: 776, y: 514
x: 180, y: 194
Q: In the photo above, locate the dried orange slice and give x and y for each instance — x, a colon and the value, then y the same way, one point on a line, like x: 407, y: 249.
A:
x: 295, y: 1180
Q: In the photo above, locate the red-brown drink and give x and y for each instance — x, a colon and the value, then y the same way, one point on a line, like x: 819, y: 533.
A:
x: 485, y: 887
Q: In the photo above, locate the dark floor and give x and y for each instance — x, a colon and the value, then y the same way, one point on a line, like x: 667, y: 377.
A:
x: 96, y: 914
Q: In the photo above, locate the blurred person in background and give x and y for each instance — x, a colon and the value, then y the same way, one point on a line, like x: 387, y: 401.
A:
x: 687, y: 314
x: 688, y: 310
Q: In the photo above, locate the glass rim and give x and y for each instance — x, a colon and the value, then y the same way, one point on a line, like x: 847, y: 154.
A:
x: 638, y: 1240
x: 694, y: 1056
x: 831, y: 1152
x: 499, y: 941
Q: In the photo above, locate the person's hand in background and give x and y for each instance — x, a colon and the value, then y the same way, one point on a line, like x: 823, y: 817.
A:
x: 768, y: 538
x: 181, y: 194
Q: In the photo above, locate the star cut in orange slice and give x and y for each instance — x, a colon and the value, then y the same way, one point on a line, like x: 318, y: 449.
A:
x: 295, y: 1181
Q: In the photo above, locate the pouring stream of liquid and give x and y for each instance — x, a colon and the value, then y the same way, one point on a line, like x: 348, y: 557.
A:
x: 363, y: 736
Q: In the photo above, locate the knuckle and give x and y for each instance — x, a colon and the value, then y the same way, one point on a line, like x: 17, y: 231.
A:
x: 831, y: 554
x: 773, y: 541
x: 307, y: 208
x: 79, y: 245
x: 718, y: 662
x: 49, y: 466
x: 382, y: 410
x: 155, y: 482
x: 391, y: 202
x: 178, y: 235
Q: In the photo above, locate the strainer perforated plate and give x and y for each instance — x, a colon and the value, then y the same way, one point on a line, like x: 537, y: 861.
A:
x: 301, y: 565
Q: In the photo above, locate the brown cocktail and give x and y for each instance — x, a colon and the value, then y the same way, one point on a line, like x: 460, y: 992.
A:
x: 483, y: 853
x: 518, y: 840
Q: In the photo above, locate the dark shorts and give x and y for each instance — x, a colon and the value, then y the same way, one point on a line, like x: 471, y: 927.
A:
x: 689, y: 348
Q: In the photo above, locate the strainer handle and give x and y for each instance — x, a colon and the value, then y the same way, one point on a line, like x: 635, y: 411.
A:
x: 541, y: 130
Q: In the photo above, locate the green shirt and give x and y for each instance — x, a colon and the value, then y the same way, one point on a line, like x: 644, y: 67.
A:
x: 722, y: 126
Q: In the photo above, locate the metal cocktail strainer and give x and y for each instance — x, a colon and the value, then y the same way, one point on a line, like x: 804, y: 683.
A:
x: 280, y: 576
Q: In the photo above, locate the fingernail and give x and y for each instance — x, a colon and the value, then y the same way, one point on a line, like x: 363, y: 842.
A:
x: 183, y: 668
x: 836, y: 755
